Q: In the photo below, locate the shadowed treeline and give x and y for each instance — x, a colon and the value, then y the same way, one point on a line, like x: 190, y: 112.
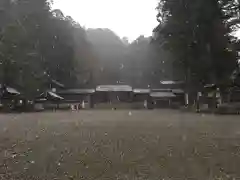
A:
x: 38, y: 44
x: 193, y: 42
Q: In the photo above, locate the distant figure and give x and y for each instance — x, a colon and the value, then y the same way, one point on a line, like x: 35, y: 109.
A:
x: 199, y: 95
x: 73, y: 107
x: 218, y: 97
x: 83, y: 105
x: 145, y: 104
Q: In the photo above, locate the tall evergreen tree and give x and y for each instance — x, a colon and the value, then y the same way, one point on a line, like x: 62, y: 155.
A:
x: 195, y: 33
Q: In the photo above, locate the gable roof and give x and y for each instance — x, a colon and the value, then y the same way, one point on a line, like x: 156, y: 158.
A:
x: 50, y: 95
x: 11, y: 90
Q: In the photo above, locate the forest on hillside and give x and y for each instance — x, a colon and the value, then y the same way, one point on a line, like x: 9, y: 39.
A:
x: 193, y: 42
x: 39, y: 44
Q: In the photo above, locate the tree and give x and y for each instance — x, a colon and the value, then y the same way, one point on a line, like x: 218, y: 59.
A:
x: 24, y: 36
x: 147, y: 63
x: 38, y: 45
x: 110, y: 52
x: 194, y: 32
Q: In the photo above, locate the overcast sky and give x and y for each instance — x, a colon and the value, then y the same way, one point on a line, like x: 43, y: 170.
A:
x: 129, y: 18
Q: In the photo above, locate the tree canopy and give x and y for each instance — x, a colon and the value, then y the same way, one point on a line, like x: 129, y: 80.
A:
x: 198, y: 34
x: 193, y: 42
x: 39, y: 44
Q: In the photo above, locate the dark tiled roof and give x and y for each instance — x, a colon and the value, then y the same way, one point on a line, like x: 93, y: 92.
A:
x: 77, y: 91
x: 141, y: 91
x: 171, y: 82
x: 114, y: 88
x: 54, y: 95
x: 162, y: 95
x: 11, y: 90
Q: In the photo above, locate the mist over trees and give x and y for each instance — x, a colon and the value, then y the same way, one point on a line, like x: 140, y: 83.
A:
x: 193, y: 42
x: 110, y: 54
x: 138, y: 63
x: 38, y: 45
x: 147, y: 64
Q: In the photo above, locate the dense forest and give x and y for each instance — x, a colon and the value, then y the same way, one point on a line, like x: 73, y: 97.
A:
x: 199, y: 36
x: 39, y: 44
x: 193, y: 42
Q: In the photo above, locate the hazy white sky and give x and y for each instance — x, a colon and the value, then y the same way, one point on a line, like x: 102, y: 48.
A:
x: 129, y: 18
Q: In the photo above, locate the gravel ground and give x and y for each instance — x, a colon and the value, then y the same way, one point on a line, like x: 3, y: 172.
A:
x: 119, y: 145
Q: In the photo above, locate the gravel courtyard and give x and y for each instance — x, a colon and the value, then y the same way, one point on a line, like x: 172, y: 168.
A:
x: 144, y: 145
